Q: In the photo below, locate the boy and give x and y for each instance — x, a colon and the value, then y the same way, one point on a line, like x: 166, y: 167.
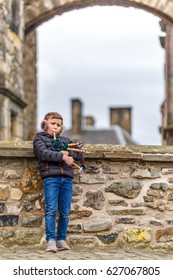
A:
x: 57, y: 172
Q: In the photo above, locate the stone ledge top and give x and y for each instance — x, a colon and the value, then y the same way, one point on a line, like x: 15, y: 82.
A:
x: 102, y: 151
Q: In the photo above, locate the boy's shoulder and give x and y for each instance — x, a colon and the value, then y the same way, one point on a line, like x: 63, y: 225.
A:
x: 65, y: 138
x: 41, y: 135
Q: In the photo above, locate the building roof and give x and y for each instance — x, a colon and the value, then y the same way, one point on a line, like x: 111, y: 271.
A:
x: 113, y: 135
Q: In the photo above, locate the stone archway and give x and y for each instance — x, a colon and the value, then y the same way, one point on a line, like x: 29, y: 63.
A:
x: 40, y: 11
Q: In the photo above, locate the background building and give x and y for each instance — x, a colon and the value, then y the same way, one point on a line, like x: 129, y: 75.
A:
x: 18, y: 60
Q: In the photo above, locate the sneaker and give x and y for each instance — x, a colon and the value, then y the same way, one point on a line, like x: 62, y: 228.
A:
x: 51, y: 246
x: 62, y: 245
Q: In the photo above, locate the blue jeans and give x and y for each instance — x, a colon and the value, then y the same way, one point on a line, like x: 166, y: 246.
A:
x: 58, y: 195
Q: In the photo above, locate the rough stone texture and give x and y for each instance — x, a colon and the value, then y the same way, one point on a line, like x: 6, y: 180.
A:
x: 126, y: 212
x: 90, y: 241
x: 8, y: 220
x: 165, y: 234
x: 156, y: 223
x: 137, y: 235
x: 94, y: 199
x: 13, y: 209
x: 31, y: 181
x: 32, y: 221
x: 145, y: 173
x: 125, y: 220
x: 4, y: 192
x: 98, y: 225
x: 74, y: 228
x: 94, y: 179
x: 108, y: 239
x: 2, y: 206
x: 77, y: 190
x: 128, y: 189
x: 161, y: 186
x: 143, y: 221
x: 25, y: 237
x: 11, y: 174
x: 118, y: 202
x: 15, y: 194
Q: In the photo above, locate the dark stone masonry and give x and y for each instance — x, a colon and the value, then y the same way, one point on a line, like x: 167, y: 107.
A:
x: 124, y: 199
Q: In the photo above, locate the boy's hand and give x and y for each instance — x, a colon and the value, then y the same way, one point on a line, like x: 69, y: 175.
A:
x: 65, y: 153
x: 66, y: 158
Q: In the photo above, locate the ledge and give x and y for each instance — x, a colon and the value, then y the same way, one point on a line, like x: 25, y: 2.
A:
x: 16, y: 99
x: 101, y: 151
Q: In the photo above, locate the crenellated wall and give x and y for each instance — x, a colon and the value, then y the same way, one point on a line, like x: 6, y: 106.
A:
x: 123, y: 200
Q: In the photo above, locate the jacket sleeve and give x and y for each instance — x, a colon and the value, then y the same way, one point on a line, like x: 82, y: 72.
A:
x: 44, y: 153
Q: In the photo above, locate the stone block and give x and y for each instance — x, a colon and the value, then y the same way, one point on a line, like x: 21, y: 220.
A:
x: 94, y: 199
x: 79, y: 214
x: 77, y: 190
x: 125, y: 220
x: 74, y: 228
x: 133, y: 211
x: 13, y: 209
x: 137, y: 235
x: 28, y: 206
x: 8, y: 220
x: 33, y: 197
x: 159, y: 186
x: 2, y: 206
x: 4, y: 192
x: 28, y: 237
x: 125, y: 188
x: 142, y: 173
x: 15, y: 194
x: 5, y: 233
x: 89, y: 241
x: 164, y: 235
x: 94, y: 179
x: 11, y: 174
x: 98, y: 225
x: 109, y: 169
x: 118, y: 202
x: 32, y: 221
x: 108, y: 238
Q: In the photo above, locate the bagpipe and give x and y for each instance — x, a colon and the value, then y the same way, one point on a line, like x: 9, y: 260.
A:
x: 59, y: 145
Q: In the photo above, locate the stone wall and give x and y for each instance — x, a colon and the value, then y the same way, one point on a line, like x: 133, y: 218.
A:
x: 124, y: 199
x: 12, y: 99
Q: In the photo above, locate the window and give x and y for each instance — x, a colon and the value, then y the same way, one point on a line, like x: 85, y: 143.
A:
x: 14, y: 24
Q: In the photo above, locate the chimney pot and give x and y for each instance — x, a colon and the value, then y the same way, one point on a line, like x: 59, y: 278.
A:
x: 122, y: 117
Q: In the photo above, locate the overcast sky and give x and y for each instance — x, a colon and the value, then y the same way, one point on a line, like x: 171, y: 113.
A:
x: 106, y: 56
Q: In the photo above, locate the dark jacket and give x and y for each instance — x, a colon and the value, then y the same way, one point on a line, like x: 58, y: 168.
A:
x: 50, y: 161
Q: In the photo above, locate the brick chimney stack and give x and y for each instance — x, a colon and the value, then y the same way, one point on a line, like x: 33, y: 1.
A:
x: 76, y: 107
x: 89, y: 121
x: 122, y: 117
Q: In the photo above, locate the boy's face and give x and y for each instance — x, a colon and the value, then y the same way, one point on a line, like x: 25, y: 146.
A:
x: 54, y: 125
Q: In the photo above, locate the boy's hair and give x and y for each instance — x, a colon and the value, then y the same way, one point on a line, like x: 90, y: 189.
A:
x: 53, y: 115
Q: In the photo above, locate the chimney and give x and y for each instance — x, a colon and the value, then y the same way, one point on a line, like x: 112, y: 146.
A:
x: 122, y: 117
x: 76, y: 107
x: 89, y: 121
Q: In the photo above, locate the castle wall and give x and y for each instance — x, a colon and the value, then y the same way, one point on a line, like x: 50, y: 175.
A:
x: 124, y: 199
x: 30, y: 85
x: 11, y: 70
